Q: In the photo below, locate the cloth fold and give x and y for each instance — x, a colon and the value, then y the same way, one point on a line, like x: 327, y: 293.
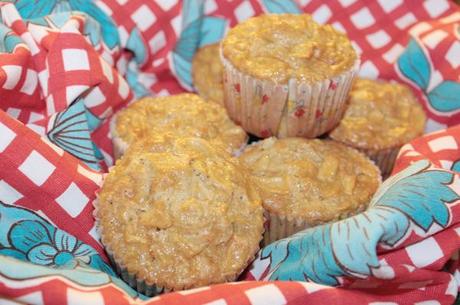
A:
x: 67, y: 66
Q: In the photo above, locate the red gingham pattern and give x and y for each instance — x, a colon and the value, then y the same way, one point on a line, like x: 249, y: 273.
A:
x: 48, y: 178
x: 42, y: 86
x: 378, y: 29
x: 441, y: 148
x: 160, y: 36
x: 245, y: 293
x: 40, y: 79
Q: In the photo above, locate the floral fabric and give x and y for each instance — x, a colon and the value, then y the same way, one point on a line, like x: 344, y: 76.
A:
x: 67, y: 66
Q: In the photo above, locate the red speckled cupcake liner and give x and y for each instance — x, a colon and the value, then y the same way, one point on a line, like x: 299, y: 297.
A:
x: 298, y: 109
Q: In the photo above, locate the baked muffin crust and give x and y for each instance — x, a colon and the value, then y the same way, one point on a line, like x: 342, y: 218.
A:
x: 180, y: 214
x: 380, y: 115
x: 183, y: 115
x: 279, y: 47
x: 207, y: 73
x: 316, y: 181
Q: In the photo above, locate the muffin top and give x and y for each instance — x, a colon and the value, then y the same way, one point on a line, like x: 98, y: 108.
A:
x: 207, y: 71
x: 380, y: 115
x: 182, y: 115
x: 313, y: 180
x: 180, y: 214
x: 283, y: 46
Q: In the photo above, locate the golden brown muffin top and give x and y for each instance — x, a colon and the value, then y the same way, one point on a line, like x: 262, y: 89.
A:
x: 183, y: 115
x: 207, y: 71
x: 180, y: 214
x: 312, y: 180
x: 279, y: 47
x: 380, y: 115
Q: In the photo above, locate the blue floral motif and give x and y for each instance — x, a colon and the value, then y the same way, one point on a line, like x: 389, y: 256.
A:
x: 39, y: 8
x: 70, y: 131
x: 415, y: 65
x: 212, y: 30
x: 446, y: 96
x: 93, y: 120
x: 29, y: 237
x: 456, y: 166
x: 8, y: 39
x: 198, y: 30
x: 23, y: 270
x: 136, y: 45
x: 133, y: 79
x: 31, y: 247
x: 281, y: 6
x: 40, y: 247
x: 348, y: 247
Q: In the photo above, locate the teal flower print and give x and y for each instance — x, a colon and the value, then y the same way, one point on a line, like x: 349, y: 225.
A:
x: 35, y: 9
x: 62, y: 251
x: 33, y: 241
x: 31, y: 248
x: 348, y: 248
x: 415, y: 65
x: 197, y: 30
x: 29, y: 237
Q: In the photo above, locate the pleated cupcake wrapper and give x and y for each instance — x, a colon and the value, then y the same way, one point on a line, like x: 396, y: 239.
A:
x: 279, y: 226
x: 131, y: 279
x: 265, y: 108
x: 383, y: 158
x: 140, y: 285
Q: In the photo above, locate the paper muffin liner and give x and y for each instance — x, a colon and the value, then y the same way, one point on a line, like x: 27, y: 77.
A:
x: 279, y: 226
x: 131, y: 279
x: 296, y: 109
x: 383, y: 158
x: 141, y: 285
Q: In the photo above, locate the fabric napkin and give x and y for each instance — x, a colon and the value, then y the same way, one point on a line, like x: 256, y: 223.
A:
x: 67, y: 66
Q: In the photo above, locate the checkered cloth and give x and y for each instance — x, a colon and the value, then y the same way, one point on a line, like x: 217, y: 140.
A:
x: 67, y: 66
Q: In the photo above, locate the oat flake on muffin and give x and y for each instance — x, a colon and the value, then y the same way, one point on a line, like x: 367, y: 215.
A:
x: 182, y: 115
x: 380, y: 118
x: 179, y: 214
x: 304, y: 183
x: 280, y: 47
x: 286, y: 75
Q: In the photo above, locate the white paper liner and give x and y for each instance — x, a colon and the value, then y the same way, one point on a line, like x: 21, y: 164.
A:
x: 383, y: 158
x: 140, y: 285
x: 298, y: 109
x: 280, y: 226
x: 131, y: 279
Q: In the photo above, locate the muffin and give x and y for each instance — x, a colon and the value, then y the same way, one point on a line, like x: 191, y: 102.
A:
x: 207, y: 73
x: 178, y: 214
x: 182, y: 115
x: 380, y: 118
x: 286, y: 76
x: 304, y: 183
